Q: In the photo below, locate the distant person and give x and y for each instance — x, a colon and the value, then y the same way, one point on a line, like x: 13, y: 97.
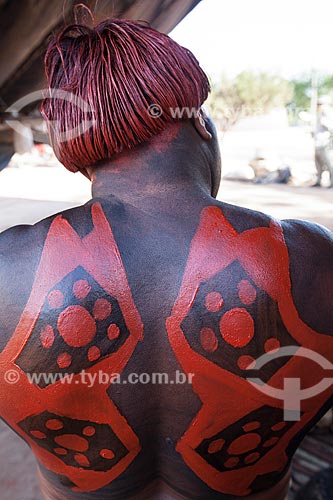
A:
x: 156, y: 277
x: 322, y: 137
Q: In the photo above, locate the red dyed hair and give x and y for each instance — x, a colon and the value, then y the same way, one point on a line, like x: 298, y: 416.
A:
x: 118, y: 68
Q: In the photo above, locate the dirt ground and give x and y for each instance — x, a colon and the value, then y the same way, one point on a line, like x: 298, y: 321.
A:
x: 22, y: 201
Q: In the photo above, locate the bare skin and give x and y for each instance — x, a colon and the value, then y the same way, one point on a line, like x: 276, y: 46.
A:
x: 155, y: 275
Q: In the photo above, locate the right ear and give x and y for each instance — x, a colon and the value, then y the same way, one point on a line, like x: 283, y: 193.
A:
x: 200, y: 125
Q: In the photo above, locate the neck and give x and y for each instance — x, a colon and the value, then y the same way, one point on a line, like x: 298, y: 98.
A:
x: 167, y: 174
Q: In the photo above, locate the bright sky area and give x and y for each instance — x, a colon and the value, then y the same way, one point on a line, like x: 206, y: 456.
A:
x: 288, y: 37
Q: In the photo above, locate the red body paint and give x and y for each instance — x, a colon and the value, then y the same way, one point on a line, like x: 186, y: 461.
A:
x: 90, y: 409
x: 63, y: 422
x: 76, y: 326
x: 246, y: 292
x: 237, y: 327
x: 214, y: 301
x: 226, y: 397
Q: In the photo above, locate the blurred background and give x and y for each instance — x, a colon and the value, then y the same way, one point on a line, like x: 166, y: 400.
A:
x: 271, y: 73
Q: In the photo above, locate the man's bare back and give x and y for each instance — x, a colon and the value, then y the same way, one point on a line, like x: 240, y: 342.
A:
x: 108, y: 289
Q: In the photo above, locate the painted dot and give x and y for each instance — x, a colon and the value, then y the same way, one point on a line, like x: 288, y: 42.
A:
x: 216, y: 445
x: 113, y: 331
x: 251, y: 426
x: 237, y: 327
x: 76, y: 326
x: 246, y: 292
x: 64, y: 360
x: 245, y: 361
x: 89, y: 430
x: 81, y: 460
x: 214, y: 301
x: 60, y: 451
x: 208, y: 339
x: 54, y: 424
x: 253, y: 457
x: 93, y: 353
x: 279, y: 426
x: 107, y: 454
x: 81, y: 289
x: 270, y: 442
x: 55, y: 299
x: 38, y: 434
x: 231, y: 462
x: 272, y: 345
x: 47, y: 336
x: 102, y: 309
x: 244, y: 443
x: 72, y: 442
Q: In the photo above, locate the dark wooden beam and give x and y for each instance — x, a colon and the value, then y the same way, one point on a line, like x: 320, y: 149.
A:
x: 162, y: 15
x: 21, y: 70
x: 25, y: 26
x: 28, y: 78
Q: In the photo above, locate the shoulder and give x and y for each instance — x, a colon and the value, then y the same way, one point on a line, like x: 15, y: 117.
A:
x: 241, y: 218
x: 310, y: 249
x: 21, y: 249
x: 21, y: 246
x: 311, y: 243
x: 310, y: 260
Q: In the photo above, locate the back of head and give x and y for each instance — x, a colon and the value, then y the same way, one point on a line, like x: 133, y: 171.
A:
x: 113, y: 87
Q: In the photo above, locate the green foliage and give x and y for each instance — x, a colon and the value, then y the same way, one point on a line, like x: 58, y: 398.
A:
x: 326, y: 85
x: 250, y: 93
x: 302, y: 91
x: 254, y: 93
